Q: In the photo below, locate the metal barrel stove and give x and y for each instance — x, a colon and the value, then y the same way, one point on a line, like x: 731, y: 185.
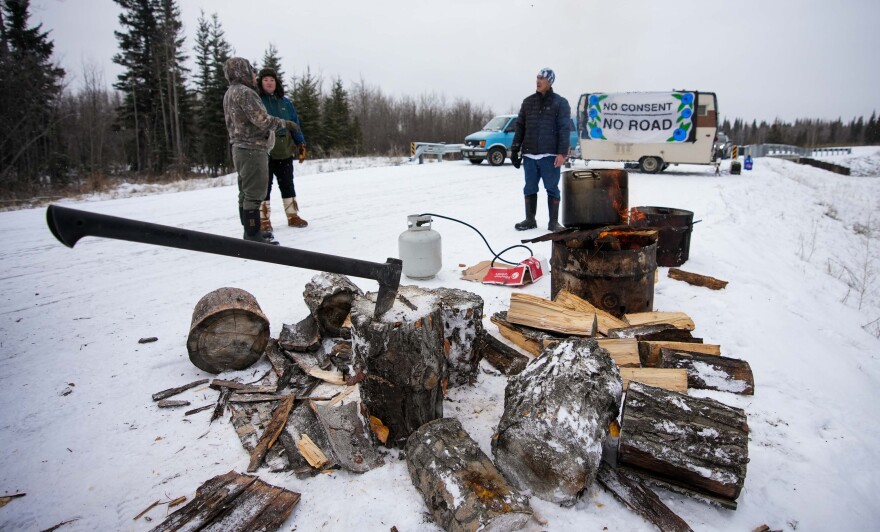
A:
x: 674, y: 227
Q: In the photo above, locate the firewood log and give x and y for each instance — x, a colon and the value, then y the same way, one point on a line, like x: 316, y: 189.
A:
x: 711, y: 372
x: 700, y: 444
x: 461, y: 487
x: 556, y: 415
x: 679, y: 319
x: 649, y: 352
x: 504, y: 358
x: 696, y: 279
x: 329, y: 297
x: 401, y: 355
x: 605, y: 320
x: 462, y: 314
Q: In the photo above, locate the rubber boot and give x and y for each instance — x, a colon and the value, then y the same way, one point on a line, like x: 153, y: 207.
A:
x: 266, y: 218
x: 252, y: 231
x: 291, y: 209
x: 531, y: 209
x: 553, y: 208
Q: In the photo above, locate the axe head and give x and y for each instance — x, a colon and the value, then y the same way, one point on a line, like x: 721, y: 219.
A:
x: 389, y: 282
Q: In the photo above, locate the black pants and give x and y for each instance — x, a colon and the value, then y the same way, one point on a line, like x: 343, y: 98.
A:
x: 282, y: 169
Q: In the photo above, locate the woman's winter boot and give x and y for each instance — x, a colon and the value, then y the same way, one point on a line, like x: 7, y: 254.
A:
x: 265, y: 218
x: 291, y: 209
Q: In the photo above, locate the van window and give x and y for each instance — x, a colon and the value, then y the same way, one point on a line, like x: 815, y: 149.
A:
x: 511, y: 126
x: 496, y: 123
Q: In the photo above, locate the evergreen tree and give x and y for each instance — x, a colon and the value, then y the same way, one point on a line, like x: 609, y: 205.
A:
x: 306, y: 97
x: 212, y: 51
x: 872, y: 131
x: 336, y: 121
x: 273, y: 61
x: 171, y: 73
x: 31, y: 89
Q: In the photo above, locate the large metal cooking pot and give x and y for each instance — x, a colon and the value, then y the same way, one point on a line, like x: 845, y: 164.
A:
x: 594, y: 198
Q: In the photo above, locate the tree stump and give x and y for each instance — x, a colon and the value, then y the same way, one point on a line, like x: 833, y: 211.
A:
x: 329, y: 297
x: 461, y: 487
x: 228, y: 331
x: 696, y: 443
x: 401, y: 355
x: 462, y: 313
x: 556, y: 414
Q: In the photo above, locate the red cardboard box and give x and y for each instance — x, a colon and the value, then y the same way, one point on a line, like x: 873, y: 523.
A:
x: 527, y: 271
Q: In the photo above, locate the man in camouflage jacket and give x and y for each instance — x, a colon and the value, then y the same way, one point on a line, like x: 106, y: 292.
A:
x: 251, y: 134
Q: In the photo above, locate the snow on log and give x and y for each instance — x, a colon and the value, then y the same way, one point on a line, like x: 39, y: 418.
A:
x: 462, y: 313
x: 329, y: 297
x: 301, y: 336
x: 401, y: 355
x: 556, y: 414
x: 712, y: 372
x: 461, y: 487
x: 700, y: 444
x: 228, y: 332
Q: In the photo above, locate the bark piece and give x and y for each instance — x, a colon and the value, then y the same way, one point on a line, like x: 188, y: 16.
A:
x: 556, y: 415
x: 649, y: 352
x: 699, y: 444
x: 352, y: 446
x: 303, y: 421
x: 228, y: 332
x: 273, y: 429
x: 461, y: 487
x: 238, y: 387
x: 462, y: 314
x: 170, y: 403
x: 302, y: 336
x: 222, y: 402
x: 540, y: 313
x: 671, y: 379
x: 165, y: 394
x: 605, y: 320
x: 401, y: 354
x: 504, y: 358
x: 233, y: 502
x: 711, y: 372
x: 679, y: 320
x: 640, y: 499
x: 329, y: 297
x: 696, y: 279
x: 250, y: 421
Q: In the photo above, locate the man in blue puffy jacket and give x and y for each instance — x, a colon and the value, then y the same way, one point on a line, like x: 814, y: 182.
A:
x: 541, y: 145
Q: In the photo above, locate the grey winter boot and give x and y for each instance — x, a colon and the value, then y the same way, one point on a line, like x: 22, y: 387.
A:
x: 531, y: 209
x: 553, y: 208
x: 252, y: 231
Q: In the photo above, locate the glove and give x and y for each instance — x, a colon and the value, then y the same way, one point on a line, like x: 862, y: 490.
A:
x: 291, y: 126
x: 302, y: 152
x: 515, y: 157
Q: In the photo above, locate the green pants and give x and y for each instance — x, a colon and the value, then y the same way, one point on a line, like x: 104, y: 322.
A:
x: 253, y: 176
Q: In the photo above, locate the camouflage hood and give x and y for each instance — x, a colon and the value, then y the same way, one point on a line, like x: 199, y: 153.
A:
x: 238, y: 70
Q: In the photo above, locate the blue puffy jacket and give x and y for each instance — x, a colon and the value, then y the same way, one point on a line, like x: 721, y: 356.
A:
x: 543, y: 125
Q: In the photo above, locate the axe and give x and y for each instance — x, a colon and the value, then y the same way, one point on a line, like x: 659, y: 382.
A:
x: 69, y: 225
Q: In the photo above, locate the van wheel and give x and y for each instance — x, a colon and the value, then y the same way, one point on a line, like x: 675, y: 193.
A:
x: 651, y: 165
x: 475, y: 161
x: 496, y: 156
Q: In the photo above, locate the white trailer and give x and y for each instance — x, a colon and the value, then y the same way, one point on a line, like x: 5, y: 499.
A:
x: 651, y: 129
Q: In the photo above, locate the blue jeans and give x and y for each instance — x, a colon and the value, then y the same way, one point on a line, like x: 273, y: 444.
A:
x: 538, y: 169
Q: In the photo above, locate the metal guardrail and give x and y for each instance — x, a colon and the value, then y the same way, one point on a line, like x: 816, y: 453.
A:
x: 418, y: 150
x: 786, y: 150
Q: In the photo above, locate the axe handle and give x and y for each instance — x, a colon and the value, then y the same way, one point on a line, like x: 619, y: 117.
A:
x: 70, y: 225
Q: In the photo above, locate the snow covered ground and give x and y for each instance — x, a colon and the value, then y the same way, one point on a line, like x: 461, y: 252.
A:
x: 82, y: 438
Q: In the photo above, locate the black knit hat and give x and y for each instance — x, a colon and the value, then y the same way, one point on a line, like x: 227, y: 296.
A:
x: 270, y: 72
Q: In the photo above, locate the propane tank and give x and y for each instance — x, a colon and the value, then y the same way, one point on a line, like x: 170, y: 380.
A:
x: 419, y: 248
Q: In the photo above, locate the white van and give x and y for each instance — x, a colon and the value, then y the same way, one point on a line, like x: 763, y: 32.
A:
x: 651, y: 129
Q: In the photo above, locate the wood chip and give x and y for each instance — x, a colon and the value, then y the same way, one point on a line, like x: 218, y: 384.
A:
x: 164, y: 394
x: 311, y: 452
x: 169, y: 403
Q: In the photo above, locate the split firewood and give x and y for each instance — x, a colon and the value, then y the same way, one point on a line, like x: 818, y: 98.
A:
x: 696, y: 279
x: 462, y: 314
x: 229, y: 331
x: 649, y: 352
x: 312, y: 454
x: 624, y: 351
x: 169, y: 403
x: 233, y: 503
x: 640, y: 330
x: 461, y: 487
x: 700, y: 444
x: 352, y: 447
x: 331, y: 377
x: 302, y: 336
x: 711, y: 372
x: 257, y: 397
x: 402, y: 357
x: 528, y: 339
x: 679, y: 319
x: 504, y: 358
x: 556, y: 415
x: 329, y: 297
x: 238, y: 387
x: 279, y: 419
x: 669, y: 334
x: 675, y: 380
x: 640, y: 499
x: 604, y: 319
x: 534, y: 311
x: 164, y: 394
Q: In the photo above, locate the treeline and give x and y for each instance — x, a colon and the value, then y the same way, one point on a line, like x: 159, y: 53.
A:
x: 806, y: 133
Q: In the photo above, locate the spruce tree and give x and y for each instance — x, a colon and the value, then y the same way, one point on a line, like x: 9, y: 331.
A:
x: 306, y: 97
x: 273, y: 61
x: 212, y: 51
x: 31, y: 87
x: 336, y: 121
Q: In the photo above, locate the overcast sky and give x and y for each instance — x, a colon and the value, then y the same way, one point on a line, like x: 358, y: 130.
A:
x: 764, y: 59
